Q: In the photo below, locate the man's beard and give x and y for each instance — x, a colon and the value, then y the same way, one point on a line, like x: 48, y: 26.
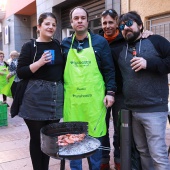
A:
x: 132, y: 36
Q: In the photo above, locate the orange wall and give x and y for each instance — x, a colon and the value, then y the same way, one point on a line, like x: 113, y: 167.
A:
x: 13, y: 6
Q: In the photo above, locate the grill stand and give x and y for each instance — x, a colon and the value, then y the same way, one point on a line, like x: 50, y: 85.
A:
x: 125, y: 144
x: 62, y: 164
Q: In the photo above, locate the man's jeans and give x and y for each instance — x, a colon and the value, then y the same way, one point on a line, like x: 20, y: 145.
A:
x: 94, y: 161
x: 149, y: 135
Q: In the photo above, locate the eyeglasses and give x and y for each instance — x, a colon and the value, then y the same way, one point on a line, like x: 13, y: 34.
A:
x: 128, y: 23
x: 80, y: 47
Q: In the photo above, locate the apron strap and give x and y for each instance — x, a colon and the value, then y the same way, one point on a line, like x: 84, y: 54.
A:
x: 89, y: 37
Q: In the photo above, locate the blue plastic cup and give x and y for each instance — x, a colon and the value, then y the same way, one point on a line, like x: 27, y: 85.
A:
x: 52, y: 52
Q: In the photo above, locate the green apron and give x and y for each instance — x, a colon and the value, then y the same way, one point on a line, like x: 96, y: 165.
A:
x: 3, y: 80
x: 84, y: 90
x: 7, y: 88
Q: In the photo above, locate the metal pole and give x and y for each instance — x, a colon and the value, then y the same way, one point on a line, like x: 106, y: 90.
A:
x: 62, y: 164
x: 125, y: 140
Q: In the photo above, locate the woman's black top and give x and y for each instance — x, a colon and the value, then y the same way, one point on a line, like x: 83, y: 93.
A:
x: 47, y: 72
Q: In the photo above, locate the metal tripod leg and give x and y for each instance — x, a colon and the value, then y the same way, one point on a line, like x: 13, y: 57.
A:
x: 62, y: 164
x: 125, y: 144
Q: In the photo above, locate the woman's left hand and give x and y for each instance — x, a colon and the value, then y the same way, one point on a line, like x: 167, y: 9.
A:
x: 45, y: 58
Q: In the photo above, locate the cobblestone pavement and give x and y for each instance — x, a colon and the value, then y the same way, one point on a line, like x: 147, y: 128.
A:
x: 14, y: 146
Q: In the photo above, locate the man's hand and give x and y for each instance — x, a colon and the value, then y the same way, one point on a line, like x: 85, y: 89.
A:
x: 1, y: 73
x: 138, y: 63
x: 146, y: 34
x: 4, y: 69
x: 8, y: 76
x: 108, y: 101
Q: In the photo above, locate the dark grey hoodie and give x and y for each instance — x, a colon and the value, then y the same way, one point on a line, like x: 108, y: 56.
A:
x: 147, y: 89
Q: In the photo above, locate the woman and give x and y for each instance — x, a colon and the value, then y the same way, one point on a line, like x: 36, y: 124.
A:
x: 12, y: 72
x: 42, y: 102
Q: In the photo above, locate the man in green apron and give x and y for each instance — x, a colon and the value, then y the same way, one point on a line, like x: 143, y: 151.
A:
x: 89, y: 80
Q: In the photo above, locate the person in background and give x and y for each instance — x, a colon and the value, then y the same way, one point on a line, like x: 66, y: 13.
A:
x: 89, y: 82
x: 112, y: 34
x: 12, y: 71
x: 9, y: 60
x: 42, y: 102
x: 3, y: 72
x: 144, y: 65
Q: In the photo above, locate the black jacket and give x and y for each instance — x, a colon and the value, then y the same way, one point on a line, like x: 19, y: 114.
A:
x: 117, y: 42
x: 33, y: 49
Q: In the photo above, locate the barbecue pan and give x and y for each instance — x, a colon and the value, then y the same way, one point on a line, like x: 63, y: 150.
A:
x: 78, y: 150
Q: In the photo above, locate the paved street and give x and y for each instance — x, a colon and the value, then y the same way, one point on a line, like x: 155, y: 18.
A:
x: 14, y: 145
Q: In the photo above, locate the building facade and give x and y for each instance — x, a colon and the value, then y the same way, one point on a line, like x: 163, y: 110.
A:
x: 155, y: 14
x: 19, y: 24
